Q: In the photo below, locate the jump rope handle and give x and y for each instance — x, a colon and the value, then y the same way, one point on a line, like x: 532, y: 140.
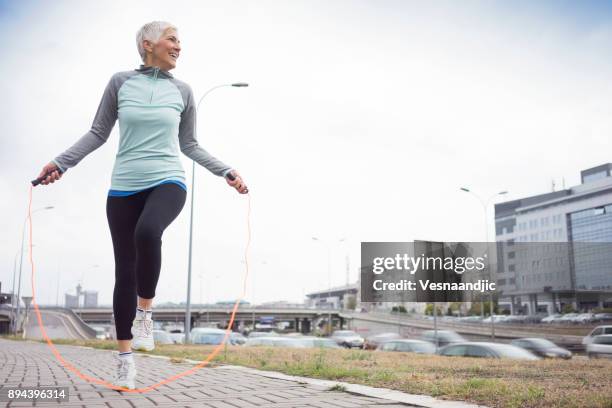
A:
x: 40, y: 179
x: 231, y: 177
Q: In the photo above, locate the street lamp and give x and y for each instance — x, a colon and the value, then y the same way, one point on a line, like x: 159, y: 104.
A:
x: 49, y: 207
x: 485, y: 205
x: 329, y: 317
x: 188, y: 311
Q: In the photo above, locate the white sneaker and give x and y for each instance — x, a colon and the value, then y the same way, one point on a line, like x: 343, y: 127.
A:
x: 142, y: 331
x: 126, y: 373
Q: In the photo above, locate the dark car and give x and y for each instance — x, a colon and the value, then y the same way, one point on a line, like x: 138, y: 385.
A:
x: 442, y: 337
x: 373, y: 342
x: 543, y: 348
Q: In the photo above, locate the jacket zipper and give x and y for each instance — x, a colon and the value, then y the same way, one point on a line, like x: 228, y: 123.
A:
x: 155, y: 72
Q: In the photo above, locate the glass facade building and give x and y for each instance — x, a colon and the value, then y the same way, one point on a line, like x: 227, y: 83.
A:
x: 590, y: 231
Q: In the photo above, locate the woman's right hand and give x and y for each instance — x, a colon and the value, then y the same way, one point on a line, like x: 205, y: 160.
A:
x: 55, y: 174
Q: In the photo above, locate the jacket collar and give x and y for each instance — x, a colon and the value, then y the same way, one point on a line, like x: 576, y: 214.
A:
x: 150, y: 71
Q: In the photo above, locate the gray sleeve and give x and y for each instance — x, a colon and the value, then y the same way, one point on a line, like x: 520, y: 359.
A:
x: 187, y: 135
x: 100, y: 129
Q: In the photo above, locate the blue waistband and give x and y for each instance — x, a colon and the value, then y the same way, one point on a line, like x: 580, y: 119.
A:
x: 119, y: 193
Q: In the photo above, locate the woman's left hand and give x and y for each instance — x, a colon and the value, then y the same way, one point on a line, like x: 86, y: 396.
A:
x: 237, y: 183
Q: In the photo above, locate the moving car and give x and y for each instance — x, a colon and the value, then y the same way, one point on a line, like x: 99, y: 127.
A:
x: 202, y: 335
x: 347, y: 338
x: 442, y: 337
x: 373, y: 342
x: 292, y: 342
x: 177, y: 338
x: 490, y: 350
x: 542, y: 347
x: 408, y: 346
x: 553, y: 318
x: 603, y: 317
x: 162, y: 337
x: 101, y: 332
x: 255, y: 334
x: 598, y: 331
x: 271, y: 342
x: 600, y: 346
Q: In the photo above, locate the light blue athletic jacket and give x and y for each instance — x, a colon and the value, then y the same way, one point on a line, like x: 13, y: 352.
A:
x: 157, y: 116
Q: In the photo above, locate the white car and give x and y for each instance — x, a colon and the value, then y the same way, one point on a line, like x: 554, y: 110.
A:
x: 600, y: 346
x: 347, y: 338
x: 552, y: 318
x: 598, y: 331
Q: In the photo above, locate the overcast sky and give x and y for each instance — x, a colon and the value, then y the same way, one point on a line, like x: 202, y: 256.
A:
x: 362, y: 120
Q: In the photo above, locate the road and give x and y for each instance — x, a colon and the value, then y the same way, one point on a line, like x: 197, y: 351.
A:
x: 57, y: 325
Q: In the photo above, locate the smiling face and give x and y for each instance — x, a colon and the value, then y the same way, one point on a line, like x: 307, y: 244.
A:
x: 164, y: 52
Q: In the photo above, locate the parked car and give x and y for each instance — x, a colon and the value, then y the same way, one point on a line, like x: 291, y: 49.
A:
x: 598, y: 331
x: 442, y: 338
x: 373, y: 342
x: 408, y: 346
x: 162, y: 337
x: 600, y: 346
x: 542, y: 347
x: 347, y: 338
x: 489, y: 350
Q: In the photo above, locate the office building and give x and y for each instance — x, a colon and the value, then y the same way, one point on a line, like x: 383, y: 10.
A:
x: 555, y: 249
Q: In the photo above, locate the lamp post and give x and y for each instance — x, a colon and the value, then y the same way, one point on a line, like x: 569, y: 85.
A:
x: 188, y: 306
x: 485, y: 205
x: 329, y: 317
x: 50, y: 207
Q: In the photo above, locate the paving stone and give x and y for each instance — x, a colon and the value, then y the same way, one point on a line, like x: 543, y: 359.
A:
x: 30, y: 364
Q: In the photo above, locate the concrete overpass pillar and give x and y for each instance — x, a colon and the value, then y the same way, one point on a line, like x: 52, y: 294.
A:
x: 297, y: 324
x: 305, y: 326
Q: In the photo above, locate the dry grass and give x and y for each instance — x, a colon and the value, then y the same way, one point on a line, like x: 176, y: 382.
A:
x: 495, y: 383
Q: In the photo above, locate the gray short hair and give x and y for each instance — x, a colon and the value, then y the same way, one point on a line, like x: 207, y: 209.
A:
x: 151, y: 31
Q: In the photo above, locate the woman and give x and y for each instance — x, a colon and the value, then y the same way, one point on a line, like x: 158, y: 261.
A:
x: 157, y: 115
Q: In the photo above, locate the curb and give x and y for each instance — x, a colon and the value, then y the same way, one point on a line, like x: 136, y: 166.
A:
x: 383, y: 393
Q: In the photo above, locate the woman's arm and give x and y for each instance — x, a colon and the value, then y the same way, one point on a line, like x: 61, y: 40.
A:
x: 190, y: 147
x: 187, y: 138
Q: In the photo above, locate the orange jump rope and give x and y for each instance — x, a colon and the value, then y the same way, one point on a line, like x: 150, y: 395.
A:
x: 164, y: 381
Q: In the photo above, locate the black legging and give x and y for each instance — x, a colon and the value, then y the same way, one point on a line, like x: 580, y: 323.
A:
x: 137, y: 223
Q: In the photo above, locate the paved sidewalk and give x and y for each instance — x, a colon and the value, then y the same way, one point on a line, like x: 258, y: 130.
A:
x: 28, y: 364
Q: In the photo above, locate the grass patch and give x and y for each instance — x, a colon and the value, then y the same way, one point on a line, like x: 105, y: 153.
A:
x: 575, y: 383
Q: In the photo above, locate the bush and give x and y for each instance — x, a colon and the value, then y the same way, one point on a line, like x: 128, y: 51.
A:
x: 399, y: 308
x: 568, y: 308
